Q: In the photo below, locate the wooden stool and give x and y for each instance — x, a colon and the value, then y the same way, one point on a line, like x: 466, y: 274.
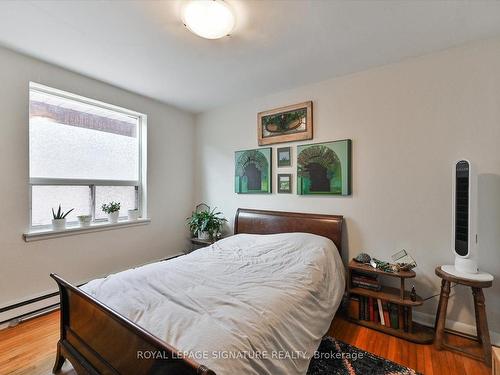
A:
x: 483, y: 335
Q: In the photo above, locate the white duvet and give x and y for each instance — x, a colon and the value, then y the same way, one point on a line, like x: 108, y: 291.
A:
x: 248, y: 304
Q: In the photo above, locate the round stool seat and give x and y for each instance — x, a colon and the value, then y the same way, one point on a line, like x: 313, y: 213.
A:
x: 462, y: 280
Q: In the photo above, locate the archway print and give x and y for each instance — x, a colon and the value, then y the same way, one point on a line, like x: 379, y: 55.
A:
x: 251, y: 157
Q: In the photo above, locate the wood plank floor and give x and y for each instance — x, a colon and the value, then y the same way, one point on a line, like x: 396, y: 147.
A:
x: 29, y: 349
x: 422, y: 358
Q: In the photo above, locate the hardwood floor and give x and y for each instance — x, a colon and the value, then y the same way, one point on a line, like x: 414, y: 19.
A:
x: 29, y: 349
x: 422, y: 358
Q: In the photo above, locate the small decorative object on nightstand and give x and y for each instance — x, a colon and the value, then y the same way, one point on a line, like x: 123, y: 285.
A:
x: 483, y: 335
x: 384, y: 308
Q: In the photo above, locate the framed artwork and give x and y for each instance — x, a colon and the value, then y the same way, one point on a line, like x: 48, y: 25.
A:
x: 285, y: 124
x: 284, y: 156
x: 285, y: 183
x: 252, y: 172
x: 324, y: 168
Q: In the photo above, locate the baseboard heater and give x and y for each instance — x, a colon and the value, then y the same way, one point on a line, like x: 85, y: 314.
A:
x: 18, y: 312
x: 13, y: 314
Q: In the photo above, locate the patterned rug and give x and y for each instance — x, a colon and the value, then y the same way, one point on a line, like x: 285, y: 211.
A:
x: 335, y: 357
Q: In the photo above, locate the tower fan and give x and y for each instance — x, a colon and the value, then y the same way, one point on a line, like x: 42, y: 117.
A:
x: 464, y: 230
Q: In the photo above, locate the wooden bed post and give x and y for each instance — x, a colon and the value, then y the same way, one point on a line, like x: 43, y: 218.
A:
x: 63, y: 297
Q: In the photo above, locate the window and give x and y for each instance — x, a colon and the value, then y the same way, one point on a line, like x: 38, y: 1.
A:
x: 83, y: 153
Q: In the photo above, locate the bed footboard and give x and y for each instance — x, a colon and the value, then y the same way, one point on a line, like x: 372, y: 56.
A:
x: 99, y: 341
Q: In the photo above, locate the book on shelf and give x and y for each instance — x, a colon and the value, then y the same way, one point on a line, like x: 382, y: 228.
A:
x: 394, y: 315
x: 380, y: 311
x: 361, y: 284
x: 370, y: 309
x: 401, y: 317
x: 367, y: 311
x: 365, y: 281
x: 361, y: 308
x: 366, y: 275
x: 364, y: 278
x: 386, y: 314
x: 406, y: 318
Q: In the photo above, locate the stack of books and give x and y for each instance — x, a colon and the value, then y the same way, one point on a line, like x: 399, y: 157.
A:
x: 377, y: 311
x: 365, y: 280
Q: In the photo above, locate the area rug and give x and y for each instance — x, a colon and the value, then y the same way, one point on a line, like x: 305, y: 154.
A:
x: 335, y: 357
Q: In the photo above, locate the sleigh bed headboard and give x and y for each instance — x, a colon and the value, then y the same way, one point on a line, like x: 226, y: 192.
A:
x: 272, y: 222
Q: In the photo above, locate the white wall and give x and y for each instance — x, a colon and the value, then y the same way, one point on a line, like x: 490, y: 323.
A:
x: 408, y: 123
x: 25, y: 267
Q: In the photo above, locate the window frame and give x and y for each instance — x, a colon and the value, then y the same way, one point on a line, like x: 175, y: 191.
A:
x: 140, y: 184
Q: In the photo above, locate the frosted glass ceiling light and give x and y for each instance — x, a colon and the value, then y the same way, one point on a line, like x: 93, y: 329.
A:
x: 210, y: 19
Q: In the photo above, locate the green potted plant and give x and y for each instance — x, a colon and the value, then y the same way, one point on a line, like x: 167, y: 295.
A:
x: 59, y: 219
x: 113, y: 211
x: 206, y: 224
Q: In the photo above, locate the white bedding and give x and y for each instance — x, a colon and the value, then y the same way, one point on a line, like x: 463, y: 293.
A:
x: 264, y: 301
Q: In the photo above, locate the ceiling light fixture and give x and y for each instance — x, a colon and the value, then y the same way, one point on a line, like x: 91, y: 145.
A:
x: 210, y: 19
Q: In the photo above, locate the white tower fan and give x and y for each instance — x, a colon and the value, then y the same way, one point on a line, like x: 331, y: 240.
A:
x: 464, y: 224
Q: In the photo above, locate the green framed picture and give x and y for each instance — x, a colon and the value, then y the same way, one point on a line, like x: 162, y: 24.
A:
x: 252, y: 172
x: 284, y: 156
x: 324, y: 168
x: 285, y: 183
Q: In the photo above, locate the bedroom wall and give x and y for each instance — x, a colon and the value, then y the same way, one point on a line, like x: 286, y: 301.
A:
x: 25, y: 267
x: 408, y: 122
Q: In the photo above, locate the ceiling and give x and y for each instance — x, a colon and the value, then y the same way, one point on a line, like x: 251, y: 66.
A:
x: 143, y: 47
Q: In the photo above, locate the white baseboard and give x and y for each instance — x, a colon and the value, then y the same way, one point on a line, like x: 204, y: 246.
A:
x: 428, y: 320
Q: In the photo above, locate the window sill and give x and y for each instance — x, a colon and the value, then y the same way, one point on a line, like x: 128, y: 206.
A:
x: 45, y: 234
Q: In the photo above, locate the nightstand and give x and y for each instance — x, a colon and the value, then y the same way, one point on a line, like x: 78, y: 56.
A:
x: 196, y: 243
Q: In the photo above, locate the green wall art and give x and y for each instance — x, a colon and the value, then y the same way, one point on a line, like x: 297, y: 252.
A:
x: 324, y: 168
x: 252, y: 172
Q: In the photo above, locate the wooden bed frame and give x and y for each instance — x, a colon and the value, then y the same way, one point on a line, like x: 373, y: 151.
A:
x: 99, y: 341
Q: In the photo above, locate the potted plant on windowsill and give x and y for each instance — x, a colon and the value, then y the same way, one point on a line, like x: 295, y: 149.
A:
x: 84, y: 220
x: 206, y: 224
x: 113, y: 211
x: 59, y: 219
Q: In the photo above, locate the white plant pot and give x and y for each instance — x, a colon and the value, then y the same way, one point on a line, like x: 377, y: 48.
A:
x: 58, y: 224
x: 84, y: 221
x: 133, y: 214
x: 113, y: 217
x: 203, y: 235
